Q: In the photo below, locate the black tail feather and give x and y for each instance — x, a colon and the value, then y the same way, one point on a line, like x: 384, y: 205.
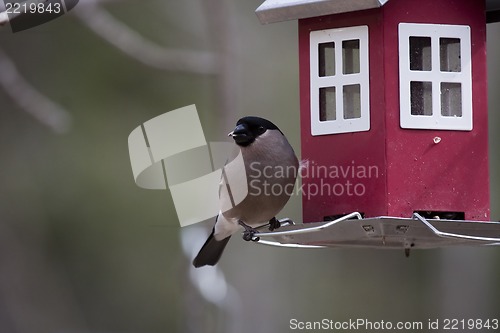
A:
x: 211, y: 251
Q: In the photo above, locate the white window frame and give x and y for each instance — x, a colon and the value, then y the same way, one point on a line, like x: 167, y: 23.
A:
x: 339, y: 80
x: 436, y: 76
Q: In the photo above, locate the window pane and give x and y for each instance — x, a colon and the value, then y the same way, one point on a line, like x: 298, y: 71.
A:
x: 420, y: 54
x: 352, y: 101
x: 451, y: 99
x: 350, y: 56
x: 326, y: 59
x: 421, y: 98
x: 449, y: 50
x: 327, y: 101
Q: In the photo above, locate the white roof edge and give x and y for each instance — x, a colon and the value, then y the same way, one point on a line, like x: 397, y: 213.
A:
x: 271, y: 11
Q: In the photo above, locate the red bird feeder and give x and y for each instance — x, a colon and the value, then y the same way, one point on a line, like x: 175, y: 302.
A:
x: 394, y: 122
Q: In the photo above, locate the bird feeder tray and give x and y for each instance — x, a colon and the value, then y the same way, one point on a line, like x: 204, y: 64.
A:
x: 383, y: 232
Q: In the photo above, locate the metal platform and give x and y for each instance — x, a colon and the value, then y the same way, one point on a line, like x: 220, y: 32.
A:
x: 383, y: 232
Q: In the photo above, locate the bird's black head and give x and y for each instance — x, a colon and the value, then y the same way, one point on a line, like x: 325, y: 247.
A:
x: 249, y: 128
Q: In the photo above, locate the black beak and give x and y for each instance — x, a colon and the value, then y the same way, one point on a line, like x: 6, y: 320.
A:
x: 242, y: 135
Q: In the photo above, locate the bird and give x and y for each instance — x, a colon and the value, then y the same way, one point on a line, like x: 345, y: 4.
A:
x: 270, y: 167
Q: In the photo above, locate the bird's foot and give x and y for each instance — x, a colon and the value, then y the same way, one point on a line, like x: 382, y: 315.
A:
x: 274, y: 224
x: 249, y: 233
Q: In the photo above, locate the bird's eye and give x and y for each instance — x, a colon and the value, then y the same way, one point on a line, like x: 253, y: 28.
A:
x: 261, y: 130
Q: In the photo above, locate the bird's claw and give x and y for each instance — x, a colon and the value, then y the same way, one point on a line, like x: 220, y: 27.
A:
x: 249, y: 233
x: 274, y: 224
x: 250, y: 236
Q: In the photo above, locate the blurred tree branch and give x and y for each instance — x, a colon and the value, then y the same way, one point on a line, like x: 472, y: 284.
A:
x: 218, y: 15
x: 133, y: 44
x: 136, y: 46
x: 31, y: 100
x: 117, y: 34
x: 4, y: 18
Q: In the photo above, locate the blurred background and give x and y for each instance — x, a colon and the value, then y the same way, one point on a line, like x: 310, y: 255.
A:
x: 84, y: 250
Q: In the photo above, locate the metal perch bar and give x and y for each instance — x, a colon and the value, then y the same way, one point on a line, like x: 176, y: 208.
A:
x: 451, y: 235
x: 302, y: 231
x: 291, y: 245
x: 393, y: 232
x: 312, y: 229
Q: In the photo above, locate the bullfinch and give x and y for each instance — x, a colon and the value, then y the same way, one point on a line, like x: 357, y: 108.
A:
x: 269, y: 167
